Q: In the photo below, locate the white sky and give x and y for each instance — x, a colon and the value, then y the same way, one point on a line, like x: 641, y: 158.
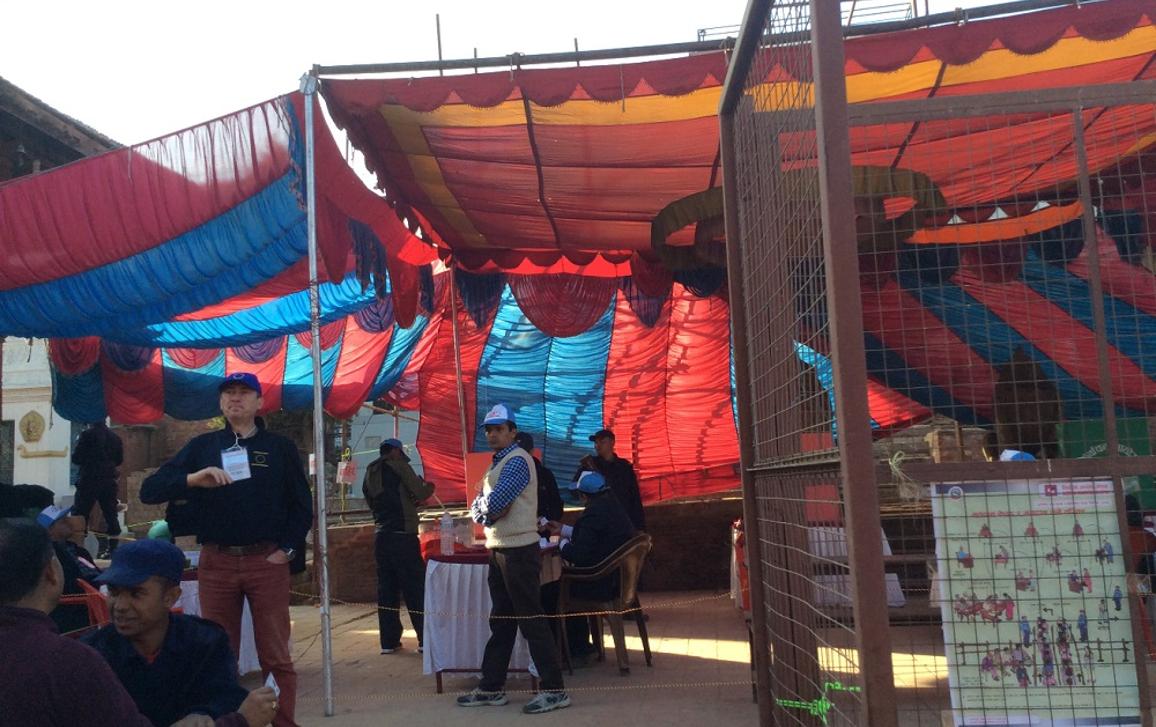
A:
x: 134, y: 70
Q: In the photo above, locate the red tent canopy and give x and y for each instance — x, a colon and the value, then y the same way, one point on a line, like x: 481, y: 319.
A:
x: 562, y: 170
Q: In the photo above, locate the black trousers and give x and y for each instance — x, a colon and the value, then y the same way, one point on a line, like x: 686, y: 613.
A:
x: 514, y: 591
x: 89, y: 494
x: 400, y: 572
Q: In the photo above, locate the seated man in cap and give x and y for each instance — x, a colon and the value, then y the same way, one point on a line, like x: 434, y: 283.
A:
x: 76, y: 562
x: 602, y: 528
x: 619, y: 474
x: 393, y: 491
x: 172, y: 665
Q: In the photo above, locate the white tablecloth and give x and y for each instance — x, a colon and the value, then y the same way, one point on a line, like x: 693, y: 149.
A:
x: 457, y: 605
x: 190, y: 603
x: 831, y: 589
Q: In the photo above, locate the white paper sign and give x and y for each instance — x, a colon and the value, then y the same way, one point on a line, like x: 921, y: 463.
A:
x: 272, y: 684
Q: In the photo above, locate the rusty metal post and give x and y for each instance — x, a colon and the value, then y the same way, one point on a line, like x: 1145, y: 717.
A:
x: 1111, y: 436
x: 861, y: 498
x: 751, y: 527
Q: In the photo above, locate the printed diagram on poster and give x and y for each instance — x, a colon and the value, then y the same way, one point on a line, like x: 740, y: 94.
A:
x: 1034, y: 597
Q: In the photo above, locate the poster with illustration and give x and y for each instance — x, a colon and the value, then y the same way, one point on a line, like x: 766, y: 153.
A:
x: 1034, y: 597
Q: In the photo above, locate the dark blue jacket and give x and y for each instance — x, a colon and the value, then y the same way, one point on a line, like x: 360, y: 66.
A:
x: 602, y: 528
x: 274, y: 504
x: 195, y: 672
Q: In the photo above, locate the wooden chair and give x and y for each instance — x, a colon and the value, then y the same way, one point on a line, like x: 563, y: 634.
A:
x: 626, y: 564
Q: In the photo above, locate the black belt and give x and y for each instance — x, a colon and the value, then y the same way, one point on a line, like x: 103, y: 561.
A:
x: 254, y: 549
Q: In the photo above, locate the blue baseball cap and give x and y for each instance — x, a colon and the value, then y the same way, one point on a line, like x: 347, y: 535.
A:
x: 244, y: 378
x: 589, y: 482
x: 135, y: 562
x: 395, y: 444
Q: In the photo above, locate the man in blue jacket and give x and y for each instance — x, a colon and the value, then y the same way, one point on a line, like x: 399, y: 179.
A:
x: 172, y: 665
x: 251, y: 511
x: 602, y: 528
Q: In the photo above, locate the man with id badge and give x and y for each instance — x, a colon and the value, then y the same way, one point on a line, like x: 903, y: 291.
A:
x: 251, y: 509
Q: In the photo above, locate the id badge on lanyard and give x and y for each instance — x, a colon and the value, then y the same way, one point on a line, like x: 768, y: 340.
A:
x: 235, y: 461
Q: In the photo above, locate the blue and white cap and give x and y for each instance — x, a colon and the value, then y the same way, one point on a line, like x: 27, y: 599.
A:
x: 498, y: 415
x: 589, y: 482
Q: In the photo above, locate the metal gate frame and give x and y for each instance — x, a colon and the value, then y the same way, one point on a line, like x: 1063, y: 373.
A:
x: 856, y: 463
x: 832, y: 118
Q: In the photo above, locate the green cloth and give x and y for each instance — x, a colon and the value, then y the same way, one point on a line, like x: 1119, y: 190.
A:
x: 1083, y: 439
x: 160, y: 531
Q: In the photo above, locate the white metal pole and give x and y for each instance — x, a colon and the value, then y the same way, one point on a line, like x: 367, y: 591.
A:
x: 309, y: 88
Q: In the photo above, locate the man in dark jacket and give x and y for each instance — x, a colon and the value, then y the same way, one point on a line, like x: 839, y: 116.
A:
x: 619, y: 474
x: 393, y: 491
x: 602, y: 528
x: 252, y: 508
x: 98, y: 453
x: 172, y: 665
x: 549, y: 500
x: 550, y: 508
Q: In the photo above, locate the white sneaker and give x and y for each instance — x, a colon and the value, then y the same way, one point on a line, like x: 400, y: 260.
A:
x: 546, y: 702
x: 390, y: 651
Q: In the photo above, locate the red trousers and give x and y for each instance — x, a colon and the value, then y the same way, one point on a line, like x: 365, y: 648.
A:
x: 225, y: 580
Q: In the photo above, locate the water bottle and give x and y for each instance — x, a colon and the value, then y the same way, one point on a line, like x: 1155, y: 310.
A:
x: 447, y: 534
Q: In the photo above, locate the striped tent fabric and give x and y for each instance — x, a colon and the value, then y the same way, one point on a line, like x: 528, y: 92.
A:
x: 538, y: 187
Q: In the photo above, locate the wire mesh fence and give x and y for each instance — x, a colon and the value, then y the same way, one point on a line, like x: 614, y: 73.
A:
x: 1007, y: 301
x: 802, y: 551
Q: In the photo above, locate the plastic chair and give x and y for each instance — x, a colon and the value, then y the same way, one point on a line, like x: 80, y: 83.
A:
x: 626, y: 563
x: 94, y: 600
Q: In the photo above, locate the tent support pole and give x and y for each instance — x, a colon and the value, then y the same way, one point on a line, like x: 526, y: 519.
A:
x: 927, y: 20
x: 458, y: 372
x: 321, y: 561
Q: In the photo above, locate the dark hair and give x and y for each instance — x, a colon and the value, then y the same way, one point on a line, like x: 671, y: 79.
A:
x: 24, y: 551
x: 525, y: 440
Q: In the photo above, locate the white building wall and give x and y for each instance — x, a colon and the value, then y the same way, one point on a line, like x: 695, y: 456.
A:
x: 368, y: 430
x: 27, y: 386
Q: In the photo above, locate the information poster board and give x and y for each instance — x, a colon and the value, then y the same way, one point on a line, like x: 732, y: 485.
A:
x: 1032, y: 586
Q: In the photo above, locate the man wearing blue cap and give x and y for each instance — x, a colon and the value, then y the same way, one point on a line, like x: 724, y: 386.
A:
x: 508, y: 507
x: 78, y: 564
x: 172, y: 665
x: 602, y: 528
x: 252, y: 509
x: 393, y: 491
